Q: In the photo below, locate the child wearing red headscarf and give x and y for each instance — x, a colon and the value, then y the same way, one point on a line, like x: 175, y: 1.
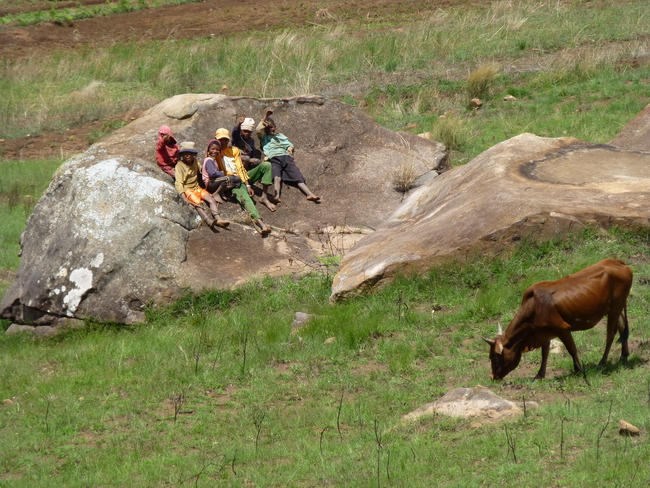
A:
x: 167, y: 151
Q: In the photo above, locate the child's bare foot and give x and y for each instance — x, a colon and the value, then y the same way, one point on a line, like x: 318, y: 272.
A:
x: 218, y: 198
x: 273, y: 199
x: 266, y: 202
x: 265, y: 230
x: 313, y: 198
x: 219, y: 222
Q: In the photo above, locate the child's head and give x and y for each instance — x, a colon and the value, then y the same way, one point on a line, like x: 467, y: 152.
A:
x: 223, y: 136
x: 187, y: 152
x: 247, y: 127
x: 214, y: 149
x: 270, y: 126
x: 166, y: 133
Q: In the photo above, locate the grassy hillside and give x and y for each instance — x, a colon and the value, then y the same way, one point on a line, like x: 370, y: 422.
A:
x: 215, y: 390
x: 569, y: 65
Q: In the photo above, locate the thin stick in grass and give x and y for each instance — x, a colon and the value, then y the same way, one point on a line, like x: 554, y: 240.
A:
x: 609, y: 416
x: 379, y: 448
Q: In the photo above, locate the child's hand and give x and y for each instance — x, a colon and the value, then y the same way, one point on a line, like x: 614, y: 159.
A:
x: 240, y: 120
x: 290, y: 150
x: 268, y: 114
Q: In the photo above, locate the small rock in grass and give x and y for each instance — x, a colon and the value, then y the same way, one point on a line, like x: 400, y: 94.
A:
x: 475, y: 104
x: 627, y: 429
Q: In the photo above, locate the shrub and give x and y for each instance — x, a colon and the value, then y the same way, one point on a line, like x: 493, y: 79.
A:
x: 451, y: 131
x: 480, y: 81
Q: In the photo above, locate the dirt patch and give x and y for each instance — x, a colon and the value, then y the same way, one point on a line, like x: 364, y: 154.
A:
x: 51, y: 144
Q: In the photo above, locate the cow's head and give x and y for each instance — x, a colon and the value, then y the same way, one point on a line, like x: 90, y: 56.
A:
x: 503, y: 359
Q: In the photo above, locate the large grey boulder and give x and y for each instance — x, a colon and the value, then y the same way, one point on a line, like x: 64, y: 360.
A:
x: 110, y: 235
x: 525, y: 187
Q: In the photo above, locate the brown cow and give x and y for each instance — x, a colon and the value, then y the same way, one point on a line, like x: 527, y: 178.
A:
x: 551, y: 309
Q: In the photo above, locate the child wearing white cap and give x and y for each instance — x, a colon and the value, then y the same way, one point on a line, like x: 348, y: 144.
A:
x: 242, y: 138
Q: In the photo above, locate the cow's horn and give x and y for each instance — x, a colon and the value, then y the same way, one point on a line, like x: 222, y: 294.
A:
x: 491, y: 343
x: 499, y: 331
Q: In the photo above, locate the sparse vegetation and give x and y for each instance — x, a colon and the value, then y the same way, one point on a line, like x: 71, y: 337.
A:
x: 21, y: 186
x: 568, y: 77
x: 481, y: 80
x: 404, y: 177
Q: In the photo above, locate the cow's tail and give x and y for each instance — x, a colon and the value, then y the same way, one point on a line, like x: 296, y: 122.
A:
x: 626, y: 330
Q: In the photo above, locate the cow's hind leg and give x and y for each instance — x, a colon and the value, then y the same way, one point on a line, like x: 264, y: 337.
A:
x: 541, y: 374
x: 624, y: 333
x: 616, y: 321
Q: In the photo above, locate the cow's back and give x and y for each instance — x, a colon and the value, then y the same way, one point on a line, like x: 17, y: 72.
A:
x: 583, y: 298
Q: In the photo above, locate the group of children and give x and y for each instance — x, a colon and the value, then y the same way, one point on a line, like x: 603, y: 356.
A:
x: 231, y: 166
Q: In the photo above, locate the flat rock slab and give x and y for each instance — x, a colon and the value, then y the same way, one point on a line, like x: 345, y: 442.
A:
x: 469, y: 403
x: 527, y: 187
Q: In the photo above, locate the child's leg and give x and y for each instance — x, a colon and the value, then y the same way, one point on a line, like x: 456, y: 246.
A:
x: 308, y: 193
x: 241, y: 193
x: 277, y: 185
x: 218, y: 195
x: 204, y: 215
x: 264, y: 229
x: 214, y: 207
x: 264, y: 174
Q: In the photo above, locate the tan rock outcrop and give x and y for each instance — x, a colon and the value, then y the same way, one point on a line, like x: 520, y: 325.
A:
x: 525, y: 187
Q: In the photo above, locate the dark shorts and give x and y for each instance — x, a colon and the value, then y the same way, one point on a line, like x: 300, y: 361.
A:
x: 285, y: 168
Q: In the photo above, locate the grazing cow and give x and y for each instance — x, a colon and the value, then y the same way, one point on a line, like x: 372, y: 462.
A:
x: 551, y: 309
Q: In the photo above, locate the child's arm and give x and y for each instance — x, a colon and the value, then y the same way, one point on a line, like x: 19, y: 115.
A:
x: 262, y: 125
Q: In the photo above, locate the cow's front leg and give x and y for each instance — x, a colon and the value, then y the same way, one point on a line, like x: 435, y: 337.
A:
x: 567, y: 340
x: 541, y: 374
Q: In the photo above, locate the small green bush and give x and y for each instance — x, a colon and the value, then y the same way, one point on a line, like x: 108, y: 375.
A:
x: 481, y: 80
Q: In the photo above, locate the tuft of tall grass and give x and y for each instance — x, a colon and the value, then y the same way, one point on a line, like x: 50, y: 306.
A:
x: 452, y: 131
x: 404, y: 176
x: 481, y: 80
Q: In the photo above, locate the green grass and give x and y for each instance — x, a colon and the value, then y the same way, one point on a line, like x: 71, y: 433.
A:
x: 22, y: 184
x: 67, y: 16
x: 214, y: 391
x: 562, y: 62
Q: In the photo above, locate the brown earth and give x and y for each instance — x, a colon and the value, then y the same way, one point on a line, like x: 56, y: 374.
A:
x: 192, y: 20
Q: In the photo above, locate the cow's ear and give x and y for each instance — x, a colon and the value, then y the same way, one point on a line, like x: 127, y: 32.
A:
x: 498, y: 347
x: 491, y: 343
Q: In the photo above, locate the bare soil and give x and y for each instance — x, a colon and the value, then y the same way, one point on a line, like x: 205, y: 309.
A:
x: 212, y: 18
